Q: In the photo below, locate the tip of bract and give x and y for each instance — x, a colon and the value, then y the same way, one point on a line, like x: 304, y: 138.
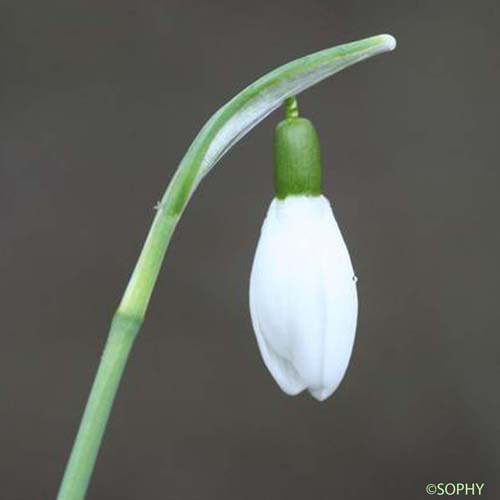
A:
x: 389, y: 41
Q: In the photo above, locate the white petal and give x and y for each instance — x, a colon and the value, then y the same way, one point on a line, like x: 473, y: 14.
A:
x: 303, y: 298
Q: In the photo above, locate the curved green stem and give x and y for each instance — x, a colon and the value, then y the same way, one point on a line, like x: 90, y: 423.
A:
x: 220, y: 133
x: 114, y: 358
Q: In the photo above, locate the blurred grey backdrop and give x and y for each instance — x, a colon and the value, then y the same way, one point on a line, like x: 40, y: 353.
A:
x: 99, y: 101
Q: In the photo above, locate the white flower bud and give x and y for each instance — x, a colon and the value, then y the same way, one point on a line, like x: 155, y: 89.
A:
x: 303, y: 298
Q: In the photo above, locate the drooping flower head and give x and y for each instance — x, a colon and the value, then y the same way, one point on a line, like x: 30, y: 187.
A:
x: 303, y: 298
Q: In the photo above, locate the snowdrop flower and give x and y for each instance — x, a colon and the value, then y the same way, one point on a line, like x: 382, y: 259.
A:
x: 303, y: 299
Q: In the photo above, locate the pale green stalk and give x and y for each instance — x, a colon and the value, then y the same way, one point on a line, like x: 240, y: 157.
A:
x: 220, y: 133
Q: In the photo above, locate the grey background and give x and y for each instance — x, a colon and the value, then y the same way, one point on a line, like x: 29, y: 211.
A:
x: 99, y: 100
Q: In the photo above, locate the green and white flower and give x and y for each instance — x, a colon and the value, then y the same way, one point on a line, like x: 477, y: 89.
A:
x: 303, y: 298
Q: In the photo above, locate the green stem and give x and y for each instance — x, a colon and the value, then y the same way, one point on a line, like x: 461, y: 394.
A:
x: 81, y: 463
x: 220, y: 133
x: 291, y: 108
